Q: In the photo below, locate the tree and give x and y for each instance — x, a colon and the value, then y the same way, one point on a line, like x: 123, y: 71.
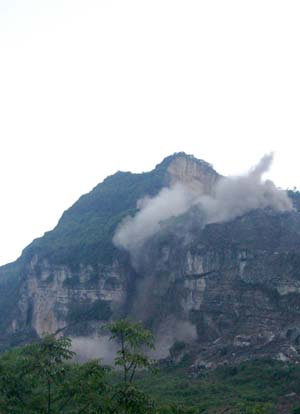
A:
x: 133, y: 340
x: 42, y: 378
x: 38, y: 379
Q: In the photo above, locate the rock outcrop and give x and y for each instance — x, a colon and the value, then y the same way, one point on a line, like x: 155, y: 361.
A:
x: 194, y: 173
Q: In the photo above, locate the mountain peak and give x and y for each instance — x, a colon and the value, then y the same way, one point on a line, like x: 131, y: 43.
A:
x: 182, y: 155
x: 189, y: 170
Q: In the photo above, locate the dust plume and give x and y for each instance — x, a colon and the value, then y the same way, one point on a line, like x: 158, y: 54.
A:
x: 170, y: 202
x: 231, y: 197
x: 170, y: 331
x: 94, y: 347
x: 235, y: 196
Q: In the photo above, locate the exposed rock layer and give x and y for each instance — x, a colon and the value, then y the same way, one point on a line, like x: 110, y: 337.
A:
x: 230, y: 291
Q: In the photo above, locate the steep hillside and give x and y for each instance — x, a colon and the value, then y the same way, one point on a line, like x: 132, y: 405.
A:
x: 77, y: 257
x: 215, y: 274
x: 84, y: 232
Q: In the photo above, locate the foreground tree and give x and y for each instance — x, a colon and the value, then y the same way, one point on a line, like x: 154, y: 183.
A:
x: 38, y: 378
x: 133, y: 340
x: 42, y: 378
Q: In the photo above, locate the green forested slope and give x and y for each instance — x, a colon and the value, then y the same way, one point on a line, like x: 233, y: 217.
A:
x: 84, y: 232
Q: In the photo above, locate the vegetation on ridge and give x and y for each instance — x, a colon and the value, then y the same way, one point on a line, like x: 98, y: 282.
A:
x: 85, y: 231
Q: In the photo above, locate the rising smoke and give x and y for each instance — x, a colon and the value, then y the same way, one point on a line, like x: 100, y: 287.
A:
x: 230, y: 198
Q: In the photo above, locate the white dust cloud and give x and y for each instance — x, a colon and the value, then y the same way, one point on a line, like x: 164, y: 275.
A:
x: 231, y: 197
x: 95, y: 347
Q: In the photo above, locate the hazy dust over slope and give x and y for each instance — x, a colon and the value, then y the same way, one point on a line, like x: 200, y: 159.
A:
x: 95, y: 347
x: 231, y: 197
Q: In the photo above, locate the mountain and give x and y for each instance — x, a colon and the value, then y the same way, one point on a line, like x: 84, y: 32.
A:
x: 225, y: 288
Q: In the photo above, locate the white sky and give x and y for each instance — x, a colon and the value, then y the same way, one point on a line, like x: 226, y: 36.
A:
x: 91, y: 87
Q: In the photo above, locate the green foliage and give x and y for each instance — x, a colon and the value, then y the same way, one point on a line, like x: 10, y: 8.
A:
x: 129, y: 399
x: 250, y: 387
x: 85, y: 231
x: 10, y: 277
x: 42, y: 378
x: 132, y: 337
x: 38, y: 379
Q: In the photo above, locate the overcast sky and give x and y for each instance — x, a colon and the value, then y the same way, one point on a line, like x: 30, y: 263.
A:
x: 91, y: 87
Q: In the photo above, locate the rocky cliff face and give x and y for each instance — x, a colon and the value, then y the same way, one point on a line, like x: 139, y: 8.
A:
x: 54, y: 296
x: 225, y: 292
x: 191, y: 172
x: 50, y: 290
x: 236, y: 283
